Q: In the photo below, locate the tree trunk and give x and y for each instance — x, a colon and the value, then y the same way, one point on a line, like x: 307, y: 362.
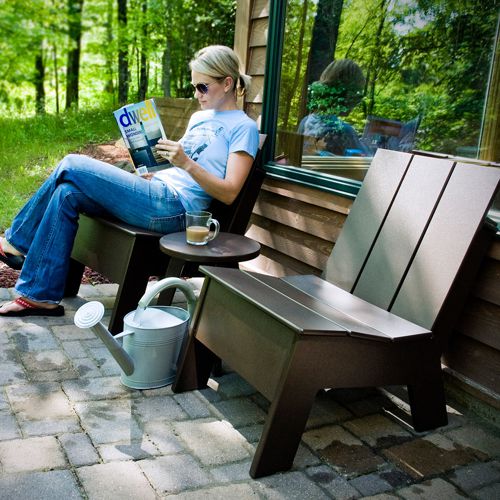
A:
x: 56, y: 76
x: 373, y: 70
x: 143, y: 62
x: 75, y: 37
x: 324, y: 37
x: 39, y: 82
x: 109, y: 87
x: 123, y: 76
x: 298, y: 68
x: 167, y: 54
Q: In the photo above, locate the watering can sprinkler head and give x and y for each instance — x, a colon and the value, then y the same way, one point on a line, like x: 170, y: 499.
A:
x: 89, y: 316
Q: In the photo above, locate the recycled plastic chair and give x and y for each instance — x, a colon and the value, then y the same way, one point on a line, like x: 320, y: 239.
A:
x: 129, y: 255
x: 397, y: 276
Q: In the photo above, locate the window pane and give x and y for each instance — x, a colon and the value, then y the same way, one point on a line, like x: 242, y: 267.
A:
x: 363, y: 74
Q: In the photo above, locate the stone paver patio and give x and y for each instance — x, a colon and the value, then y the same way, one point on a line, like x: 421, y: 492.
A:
x: 69, y: 429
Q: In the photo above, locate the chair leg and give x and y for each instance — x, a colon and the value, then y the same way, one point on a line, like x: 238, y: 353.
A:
x: 286, y: 420
x: 195, y: 367
x: 74, y: 278
x: 428, y: 403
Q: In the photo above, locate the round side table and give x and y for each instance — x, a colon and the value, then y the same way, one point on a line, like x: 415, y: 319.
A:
x: 227, y: 250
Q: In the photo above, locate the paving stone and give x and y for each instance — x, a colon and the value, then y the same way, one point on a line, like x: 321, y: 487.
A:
x: 40, y: 401
x: 31, y: 454
x: 87, y: 368
x: 79, y: 449
x: 231, y: 385
x: 252, y: 433
x: 49, y: 427
x: 115, y: 480
x: 8, y: 427
x: 97, y: 388
x: 105, y: 361
x: 476, y: 476
x: 34, y: 338
x: 162, y: 436
x: 174, y: 473
x: 382, y: 496
x: 326, y: 410
x: 166, y: 390
x: 53, y: 376
x: 396, y: 477
x: 5, y: 294
x: 160, y: 408
x: 343, y: 450
x: 488, y: 492
x: 46, y: 361
x: 4, y: 404
x: 212, y: 442
x: 210, y: 395
x: 72, y: 332
x: 435, y: 489
x: 291, y: 485
x: 128, y: 451
x: 192, y: 405
x: 240, y: 491
x: 50, y: 485
x: 232, y: 472
x: 305, y: 458
x: 370, y: 484
x: 11, y: 373
x: 476, y: 438
x: 377, y: 430
x: 74, y: 349
x: 240, y: 412
x: 332, y: 482
x: 422, y: 458
x: 109, y: 421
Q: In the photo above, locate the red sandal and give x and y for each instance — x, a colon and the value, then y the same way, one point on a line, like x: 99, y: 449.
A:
x: 31, y: 310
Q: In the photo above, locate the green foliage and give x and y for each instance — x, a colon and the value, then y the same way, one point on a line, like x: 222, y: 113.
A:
x: 420, y: 58
x: 31, y: 147
x: 183, y: 26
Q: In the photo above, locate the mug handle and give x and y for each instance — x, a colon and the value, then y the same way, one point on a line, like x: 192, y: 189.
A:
x: 216, y: 230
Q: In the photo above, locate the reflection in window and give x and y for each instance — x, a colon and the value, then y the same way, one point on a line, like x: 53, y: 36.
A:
x: 399, y: 74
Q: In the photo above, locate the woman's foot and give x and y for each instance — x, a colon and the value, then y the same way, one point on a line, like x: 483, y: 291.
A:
x: 9, y: 255
x: 26, y: 307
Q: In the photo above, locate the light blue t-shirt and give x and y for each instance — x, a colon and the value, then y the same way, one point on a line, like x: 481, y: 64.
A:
x: 209, y: 138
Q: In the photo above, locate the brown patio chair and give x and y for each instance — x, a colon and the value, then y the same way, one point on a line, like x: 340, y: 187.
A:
x: 397, y: 276
x: 129, y: 255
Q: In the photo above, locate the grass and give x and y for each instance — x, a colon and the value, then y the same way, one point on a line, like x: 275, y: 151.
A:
x: 31, y: 147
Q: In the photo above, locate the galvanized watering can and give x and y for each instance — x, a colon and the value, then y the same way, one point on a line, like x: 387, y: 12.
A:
x: 152, y: 338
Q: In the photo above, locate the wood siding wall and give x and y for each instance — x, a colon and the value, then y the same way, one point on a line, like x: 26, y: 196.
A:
x: 250, y: 42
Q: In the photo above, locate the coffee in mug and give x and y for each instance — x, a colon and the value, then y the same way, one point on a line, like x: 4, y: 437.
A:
x: 198, y: 228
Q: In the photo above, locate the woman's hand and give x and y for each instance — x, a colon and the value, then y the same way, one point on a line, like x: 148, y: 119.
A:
x: 173, y: 152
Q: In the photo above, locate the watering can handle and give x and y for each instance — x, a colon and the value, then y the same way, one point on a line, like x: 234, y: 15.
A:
x: 170, y: 283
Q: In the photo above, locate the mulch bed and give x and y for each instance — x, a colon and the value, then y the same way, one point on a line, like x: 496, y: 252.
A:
x: 112, y: 152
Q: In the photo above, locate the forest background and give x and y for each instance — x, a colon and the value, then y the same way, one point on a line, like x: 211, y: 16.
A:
x: 65, y: 65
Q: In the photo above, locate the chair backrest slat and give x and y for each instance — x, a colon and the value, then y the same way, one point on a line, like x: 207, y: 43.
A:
x: 402, y: 230
x: 234, y: 218
x: 365, y: 218
x: 441, y: 254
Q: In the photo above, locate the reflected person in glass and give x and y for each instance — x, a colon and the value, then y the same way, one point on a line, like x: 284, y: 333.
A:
x: 338, y: 91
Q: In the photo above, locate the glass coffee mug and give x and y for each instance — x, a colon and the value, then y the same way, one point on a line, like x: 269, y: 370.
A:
x: 198, y: 228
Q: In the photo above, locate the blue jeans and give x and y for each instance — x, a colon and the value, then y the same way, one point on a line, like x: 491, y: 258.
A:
x: 45, y: 228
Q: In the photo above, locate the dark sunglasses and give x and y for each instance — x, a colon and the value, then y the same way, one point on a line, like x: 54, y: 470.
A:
x: 202, y: 88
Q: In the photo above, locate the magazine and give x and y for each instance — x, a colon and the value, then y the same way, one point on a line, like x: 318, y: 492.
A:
x: 141, y: 128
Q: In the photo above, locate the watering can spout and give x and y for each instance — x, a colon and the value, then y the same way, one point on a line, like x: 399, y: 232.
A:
x: 89, y: 316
